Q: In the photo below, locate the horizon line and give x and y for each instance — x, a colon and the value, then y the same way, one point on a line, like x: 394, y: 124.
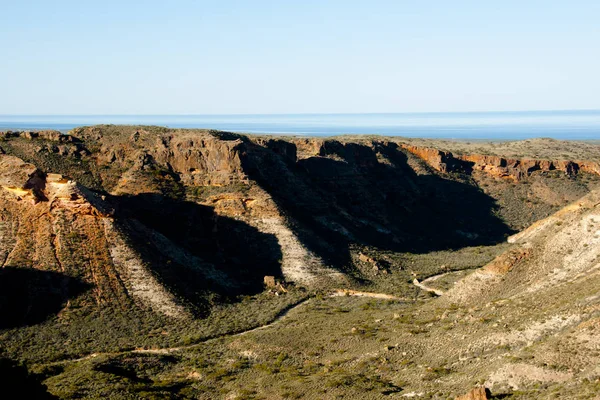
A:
x: 308, y: 113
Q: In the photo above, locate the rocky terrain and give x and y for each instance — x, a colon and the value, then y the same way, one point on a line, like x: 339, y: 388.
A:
x: 145, y: 262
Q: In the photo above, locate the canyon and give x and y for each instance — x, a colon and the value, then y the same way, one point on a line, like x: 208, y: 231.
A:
x: 121, y: 242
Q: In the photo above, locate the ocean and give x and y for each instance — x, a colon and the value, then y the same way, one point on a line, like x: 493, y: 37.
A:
x: 567, y: 125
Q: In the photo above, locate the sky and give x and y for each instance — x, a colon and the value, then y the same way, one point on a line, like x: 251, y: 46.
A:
x: 310, y: 56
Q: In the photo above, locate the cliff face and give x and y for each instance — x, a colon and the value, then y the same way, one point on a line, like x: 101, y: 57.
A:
x: 321, y: 194
x: 442, y: 161
x: 161, y: 219
x: 53, y: 225
x: 50, y: 225
x: 500, y: 167
x: 134, y: 242
x: 127, y: 251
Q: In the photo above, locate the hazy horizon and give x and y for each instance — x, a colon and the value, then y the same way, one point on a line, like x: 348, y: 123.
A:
x: 562, y: 124
x: 574, y: 110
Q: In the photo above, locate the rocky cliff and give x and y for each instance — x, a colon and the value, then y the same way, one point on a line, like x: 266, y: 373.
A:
x: 500, y: 167
x: 121, y: 237
x: 114, y: 205
x: 230, y: 209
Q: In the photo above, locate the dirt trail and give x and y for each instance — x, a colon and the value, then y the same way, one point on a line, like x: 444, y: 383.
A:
x: 382, y: 296
x: 422, y: 285
x: 281, y: 316
x: 277, y: 319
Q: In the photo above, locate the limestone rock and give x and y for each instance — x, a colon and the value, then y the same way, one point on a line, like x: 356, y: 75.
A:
x: 442, y: 161
x: 506, y: 261
x: 479, y: 393
x: 270, y: 281
x: 21, y: 179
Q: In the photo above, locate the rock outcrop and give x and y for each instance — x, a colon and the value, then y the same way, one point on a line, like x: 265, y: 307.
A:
x: 22, y: 179
x: 506, y: 261
x: 478, y: 393
x: 442, y: 161
x: 51, y: 141
x: 200, y: 160
x: 50, y: 135
x: 499, y: 167
x: 53, y: 224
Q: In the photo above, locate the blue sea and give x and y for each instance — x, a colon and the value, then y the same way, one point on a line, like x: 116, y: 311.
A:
x: 571, y: 125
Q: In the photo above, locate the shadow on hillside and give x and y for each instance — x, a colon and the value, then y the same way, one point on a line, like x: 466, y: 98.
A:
x: 203, y: 257
x: 19, y: 383
x: 354, y: 194
x: 30, y: 296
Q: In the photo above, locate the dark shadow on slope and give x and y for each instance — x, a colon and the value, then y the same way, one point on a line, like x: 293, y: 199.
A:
x: 355, y: 194
x: 201, y: 256
x: 18, y: 383
x: 30, y: 296
x: 137, y: 368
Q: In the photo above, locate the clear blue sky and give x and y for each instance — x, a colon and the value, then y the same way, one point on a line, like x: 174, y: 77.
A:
x: 284, y: 56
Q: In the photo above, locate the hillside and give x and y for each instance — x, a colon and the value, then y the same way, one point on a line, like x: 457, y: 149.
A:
x: 117, y: 238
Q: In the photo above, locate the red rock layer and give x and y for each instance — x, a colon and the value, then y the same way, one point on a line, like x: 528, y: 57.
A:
x: 497, y: 166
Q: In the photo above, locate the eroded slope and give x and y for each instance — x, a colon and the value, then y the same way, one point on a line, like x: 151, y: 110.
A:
x: 145, y: 236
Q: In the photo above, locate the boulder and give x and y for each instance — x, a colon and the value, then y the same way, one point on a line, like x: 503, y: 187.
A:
x: 478, y: 393
x: 269, y: 281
